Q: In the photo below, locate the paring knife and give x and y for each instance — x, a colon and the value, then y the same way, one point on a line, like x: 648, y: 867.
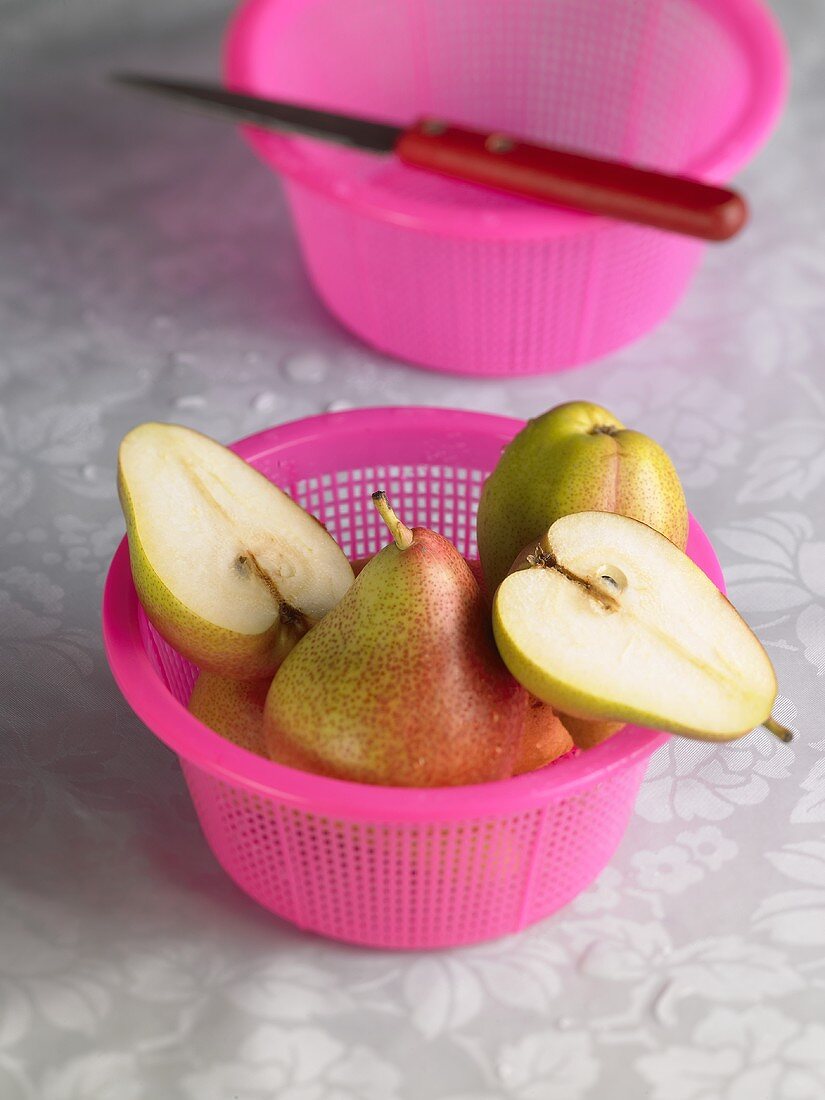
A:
x: 497, y: 160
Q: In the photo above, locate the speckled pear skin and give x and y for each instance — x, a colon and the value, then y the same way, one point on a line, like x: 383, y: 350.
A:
x: 545, y: 737
x: 400, y: 684
x: 232, y: 708
x: 576, y: 457
x: 475, y: 568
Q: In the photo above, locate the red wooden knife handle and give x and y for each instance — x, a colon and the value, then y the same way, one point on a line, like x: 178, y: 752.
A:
x: 598, y: 186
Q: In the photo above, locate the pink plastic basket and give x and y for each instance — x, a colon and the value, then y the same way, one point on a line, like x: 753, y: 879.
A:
x: 385, y: 867
x: 459, y: 278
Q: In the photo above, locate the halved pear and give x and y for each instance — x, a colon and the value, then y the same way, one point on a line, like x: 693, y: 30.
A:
x: 229, y: 569
x: 606, y: 619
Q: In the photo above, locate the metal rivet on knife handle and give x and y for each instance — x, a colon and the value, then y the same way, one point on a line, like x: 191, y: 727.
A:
x: 499, y: 143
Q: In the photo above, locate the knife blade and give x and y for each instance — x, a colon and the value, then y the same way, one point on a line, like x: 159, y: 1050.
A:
x: 358, y: 133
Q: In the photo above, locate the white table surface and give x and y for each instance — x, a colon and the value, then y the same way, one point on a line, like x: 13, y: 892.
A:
x: 148, y: 270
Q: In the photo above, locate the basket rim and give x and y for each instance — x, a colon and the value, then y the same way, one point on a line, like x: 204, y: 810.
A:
x: 750, y: 21
x: 200, y: 746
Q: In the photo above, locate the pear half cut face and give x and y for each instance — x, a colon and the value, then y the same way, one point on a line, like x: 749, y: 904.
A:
x: 606, y: 619
x: 229, y: 568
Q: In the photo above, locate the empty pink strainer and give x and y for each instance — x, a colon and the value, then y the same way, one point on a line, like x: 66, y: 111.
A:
x: 385, y: 867
x: 459, y: 278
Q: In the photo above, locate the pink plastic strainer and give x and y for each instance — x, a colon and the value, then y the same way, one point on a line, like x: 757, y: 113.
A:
x: 459, y: 278
x: 386, y: 867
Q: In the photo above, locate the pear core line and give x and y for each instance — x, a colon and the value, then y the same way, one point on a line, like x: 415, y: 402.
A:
x: 289, y: 615
x: 545, y: 559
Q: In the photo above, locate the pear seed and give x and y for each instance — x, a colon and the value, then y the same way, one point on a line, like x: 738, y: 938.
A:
x: 613, y: 577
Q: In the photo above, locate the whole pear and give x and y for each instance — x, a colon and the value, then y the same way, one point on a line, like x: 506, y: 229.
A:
x: 400, y: 684
x: 232, y: 708
x: 577, y: 457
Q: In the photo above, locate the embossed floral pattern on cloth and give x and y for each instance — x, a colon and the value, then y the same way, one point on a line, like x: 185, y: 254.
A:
x: 148, y: 270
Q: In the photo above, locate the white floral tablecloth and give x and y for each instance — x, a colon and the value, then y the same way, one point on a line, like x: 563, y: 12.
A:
x: 148, y: 269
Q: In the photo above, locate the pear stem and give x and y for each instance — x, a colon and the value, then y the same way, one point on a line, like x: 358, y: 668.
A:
x: 778, y: 730
x: 400, y: 532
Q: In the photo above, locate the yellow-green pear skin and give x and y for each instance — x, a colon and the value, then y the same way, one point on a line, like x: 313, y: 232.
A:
x: 576, y: 457
x: 232, y: 708
x: 605, y: 619
x: 230, y: 570
x: 400, y: 685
